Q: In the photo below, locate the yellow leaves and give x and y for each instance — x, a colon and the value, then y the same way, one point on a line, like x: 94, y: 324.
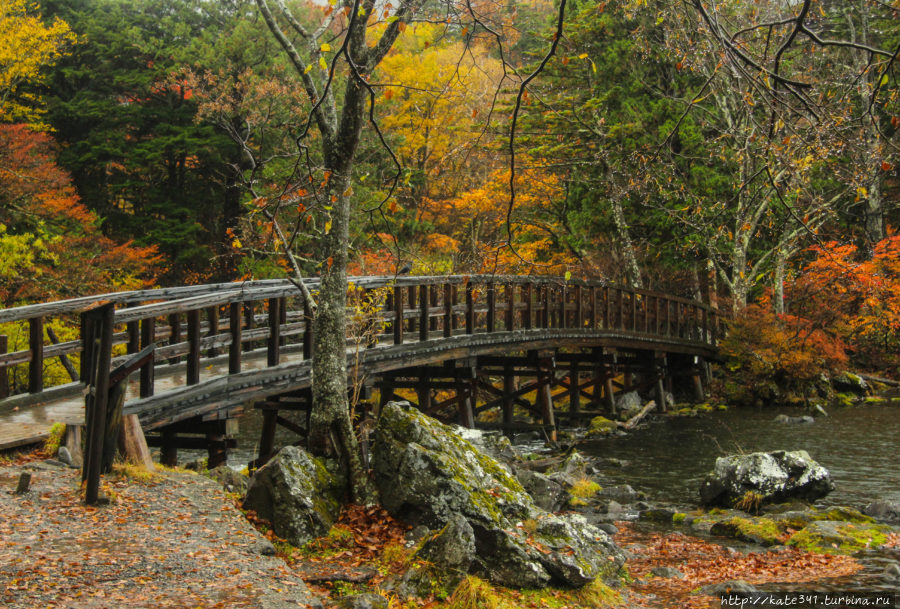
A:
x: 323, y: 64
x: 861, y: 193
x: 328, y: 226
x: 27, y: 47
x: 325, y: 47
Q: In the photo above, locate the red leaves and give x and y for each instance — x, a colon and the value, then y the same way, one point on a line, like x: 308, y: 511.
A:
x: 704, y: 563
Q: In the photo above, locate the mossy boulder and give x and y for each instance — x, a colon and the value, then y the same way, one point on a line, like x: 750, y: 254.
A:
x: 839, y: 537
x: 295, y: 492
x: 427, y: 474
x: 772, y: 477
x: 762, y: 531
x: 601, y: 426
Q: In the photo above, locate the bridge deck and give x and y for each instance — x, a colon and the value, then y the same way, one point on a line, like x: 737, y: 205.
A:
x: 421, y: 321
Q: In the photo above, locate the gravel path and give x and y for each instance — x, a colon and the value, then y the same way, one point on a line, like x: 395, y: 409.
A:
x: 173, y: 541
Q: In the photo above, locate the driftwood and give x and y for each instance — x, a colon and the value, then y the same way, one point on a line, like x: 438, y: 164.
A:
x: 878, y: 379
x: 633, y: 421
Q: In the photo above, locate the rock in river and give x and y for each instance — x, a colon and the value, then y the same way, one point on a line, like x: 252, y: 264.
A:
x: 770, y: 477
x: 427, y: 474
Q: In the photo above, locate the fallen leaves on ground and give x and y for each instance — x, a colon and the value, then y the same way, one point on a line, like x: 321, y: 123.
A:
x: 704, y: 563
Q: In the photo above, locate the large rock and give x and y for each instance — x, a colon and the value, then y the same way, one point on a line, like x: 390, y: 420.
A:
x: 772, y: 477
x: 427, y: 474
x: 883, y: 510
x: 629, y: 404
x: 296, y: 494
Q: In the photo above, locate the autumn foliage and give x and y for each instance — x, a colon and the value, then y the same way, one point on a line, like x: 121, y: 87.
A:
x: 856, y: 298
x: 51, y: 245
x: 762, y: 348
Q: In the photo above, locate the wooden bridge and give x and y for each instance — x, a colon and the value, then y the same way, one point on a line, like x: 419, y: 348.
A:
x: 477, y: 349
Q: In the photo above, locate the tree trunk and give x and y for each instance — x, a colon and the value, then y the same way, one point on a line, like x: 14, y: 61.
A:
x: 874, y: 211
x: 330, y: 427
x: 632, y: 270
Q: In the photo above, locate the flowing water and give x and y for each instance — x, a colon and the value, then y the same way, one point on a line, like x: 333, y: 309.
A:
x: 669, y: 457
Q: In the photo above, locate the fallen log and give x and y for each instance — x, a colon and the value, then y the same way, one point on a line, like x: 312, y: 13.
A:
x: 633, y: 421
x: 878, y: 379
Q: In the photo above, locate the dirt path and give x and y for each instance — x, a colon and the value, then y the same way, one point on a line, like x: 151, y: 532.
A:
x: 173, y: 541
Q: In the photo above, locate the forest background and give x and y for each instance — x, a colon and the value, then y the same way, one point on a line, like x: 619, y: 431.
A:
x: 687, y: 147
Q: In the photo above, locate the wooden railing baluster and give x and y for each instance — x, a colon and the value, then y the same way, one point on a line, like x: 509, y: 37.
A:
x: 448, y: 311
x: 235, y: 329
x: 36, y: 346
x: 148, y: 337
x: 4, y: 376
x: 273, y: 347
x: 470, y: 309
x: 398, y: 315
x: 193, y: 336
x: 579, y: 308
x: 424, y: 313
x: 491, y: 308
x: 510, y: 291
x: 528, y: 312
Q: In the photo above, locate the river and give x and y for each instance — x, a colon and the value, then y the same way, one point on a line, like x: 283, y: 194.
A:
x: 668, y: 458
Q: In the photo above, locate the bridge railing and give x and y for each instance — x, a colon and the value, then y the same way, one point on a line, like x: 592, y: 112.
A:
x: 216, y: 329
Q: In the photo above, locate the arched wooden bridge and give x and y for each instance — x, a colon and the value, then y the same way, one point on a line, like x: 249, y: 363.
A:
x: 459, y: 346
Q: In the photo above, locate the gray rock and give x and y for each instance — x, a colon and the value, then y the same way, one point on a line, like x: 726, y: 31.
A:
x: 446, y: 558
x: 368, y: 600
x: 66, y: 457
x: 615, y: 509
x: 231, y: 480
x: 734, y: 587
x: 266, y: 548
x: 629, y: 404
x: 294, y: 492
x: 847, y: 381
x: 775, y: 476
x: 667, y: 572
x: 547, y: 494
x: 452, y: 548
x: 892, y: 572
x: 443, y: 476
x: 623, y: 493
x: 608, y: 528
x: 493, y: 443
x: 883, y: 510
x: 783, y: 418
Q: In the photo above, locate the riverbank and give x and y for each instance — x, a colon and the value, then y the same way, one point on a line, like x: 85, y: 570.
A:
x: 169, y: 539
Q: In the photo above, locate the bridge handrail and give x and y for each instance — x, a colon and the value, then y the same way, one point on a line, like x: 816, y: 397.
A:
x: 428, y: 302
x: 268, y: 288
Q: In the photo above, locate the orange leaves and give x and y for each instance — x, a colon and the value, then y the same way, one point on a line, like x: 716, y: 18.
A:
x: 705, y: 563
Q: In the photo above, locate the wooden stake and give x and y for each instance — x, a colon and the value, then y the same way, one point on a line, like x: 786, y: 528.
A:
x: 134, y: 444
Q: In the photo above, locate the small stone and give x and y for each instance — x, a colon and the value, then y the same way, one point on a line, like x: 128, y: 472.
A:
x: 883, y: 510
x: 66, y: 457
x: 667, y: 572
x: 608, y: 528
x: 364, y: 601
x: 266, y: 548
x: 735, y: 587
x: 892, y: 572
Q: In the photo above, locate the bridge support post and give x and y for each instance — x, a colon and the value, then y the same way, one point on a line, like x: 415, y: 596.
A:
x: 509, y: 388
x: 545, y: 395
x: 659, y: 370
x: 168, y: 451
x: 466, y: 395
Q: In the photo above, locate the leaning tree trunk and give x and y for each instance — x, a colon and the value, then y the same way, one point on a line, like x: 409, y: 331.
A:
x: 330, y: 427
x: 623, y: 236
